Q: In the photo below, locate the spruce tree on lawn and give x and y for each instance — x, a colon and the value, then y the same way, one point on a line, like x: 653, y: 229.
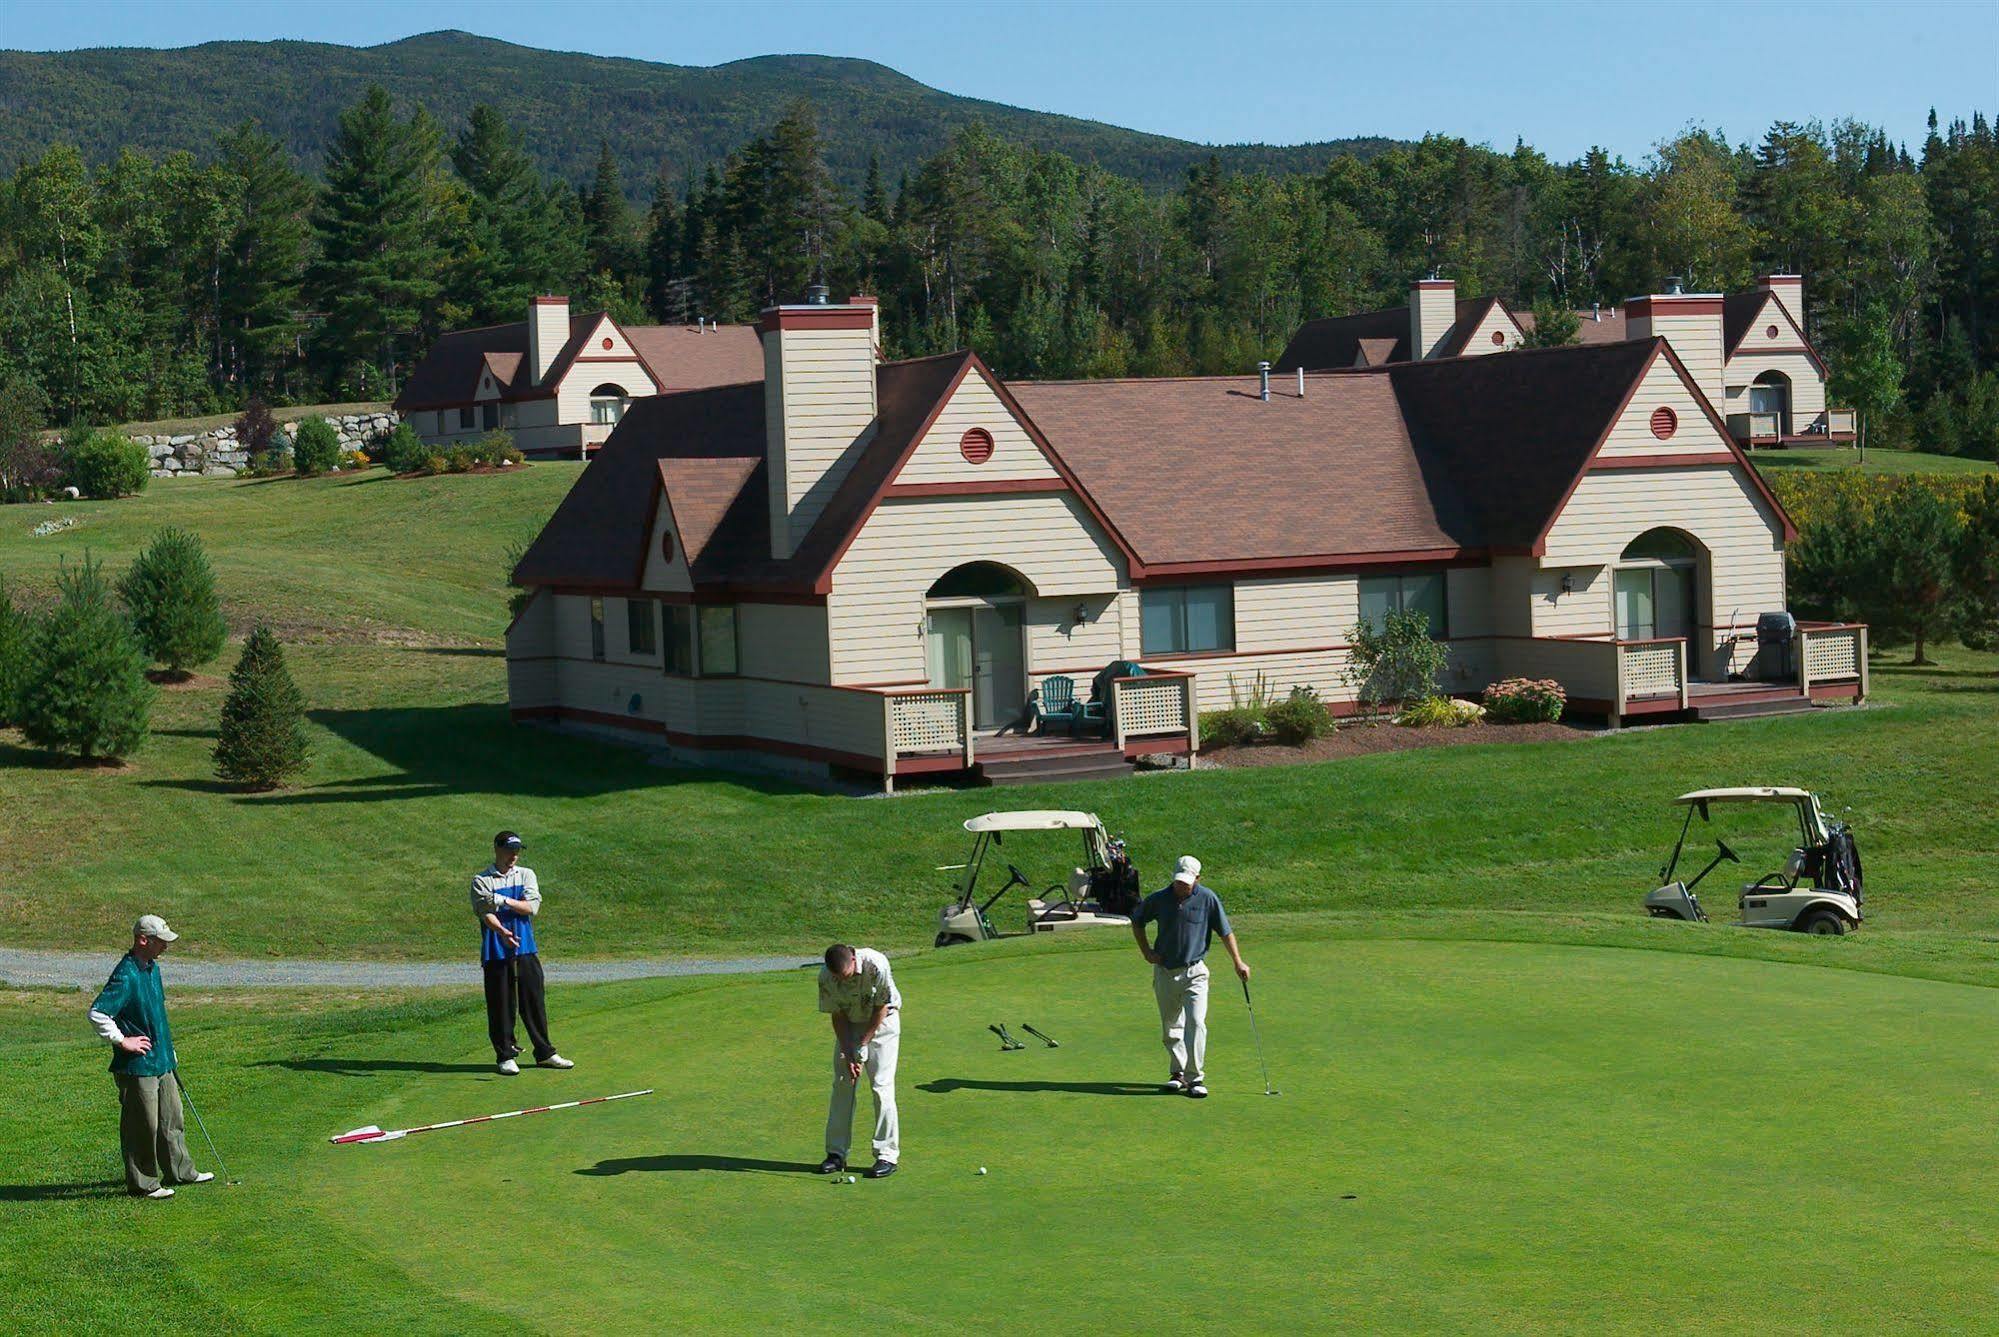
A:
x: 86, y: 691
x: 1915, y: 544
x: 16, y: 633
x: 170, y: 594
x: 262, y: 740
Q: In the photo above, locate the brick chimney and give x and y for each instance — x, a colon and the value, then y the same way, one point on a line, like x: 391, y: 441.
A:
x: 1790, y: 292
x: 548, y: 331
x: 1433, y: 309
x: 1691, y: 323
x: 819, y: 405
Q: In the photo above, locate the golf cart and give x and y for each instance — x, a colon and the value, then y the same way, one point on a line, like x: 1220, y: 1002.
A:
x: 1816, y: 891
x: 1102, y: 892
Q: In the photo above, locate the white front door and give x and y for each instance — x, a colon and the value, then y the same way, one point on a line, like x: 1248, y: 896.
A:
x: 979, y: 647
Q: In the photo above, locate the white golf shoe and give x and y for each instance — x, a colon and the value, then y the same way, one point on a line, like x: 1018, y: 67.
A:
x: 508, y: 1068
x: 201, y: 1177
x: 159, y: 1194
x: 553, y: 1061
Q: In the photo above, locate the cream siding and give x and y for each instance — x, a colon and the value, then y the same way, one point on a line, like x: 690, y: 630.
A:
x: 938, y: 459
x: 1662, y: 386
x: 1432, y: 312
x: 1496, y: 322
x: 1807, y: 386
x: 819, y: 409
x: 876, y: 609
x: 782, y: 641
x: 531, y: 651
x: 1696, y: 338
x: 597, y: 365
x: 1792, y: 295
x: 662, y: 573
x: 548, y: 331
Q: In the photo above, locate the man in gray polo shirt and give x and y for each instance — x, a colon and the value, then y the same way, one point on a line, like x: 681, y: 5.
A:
x: 1188, y: 915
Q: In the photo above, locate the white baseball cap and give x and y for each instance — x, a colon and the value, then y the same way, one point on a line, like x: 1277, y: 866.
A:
x: 154, y: 927
x: 1187, y: 869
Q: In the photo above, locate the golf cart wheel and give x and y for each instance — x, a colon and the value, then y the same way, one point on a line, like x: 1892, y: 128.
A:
x: 950, y: 939
x: 1823, y: 921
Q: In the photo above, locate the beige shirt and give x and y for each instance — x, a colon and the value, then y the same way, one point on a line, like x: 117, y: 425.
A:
x: 857, y: 996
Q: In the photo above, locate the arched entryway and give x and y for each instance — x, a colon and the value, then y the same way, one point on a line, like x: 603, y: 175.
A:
x: 1658, y: 584
x: 1771, y: 393
x: 974, y: 637
x: 608, y: 403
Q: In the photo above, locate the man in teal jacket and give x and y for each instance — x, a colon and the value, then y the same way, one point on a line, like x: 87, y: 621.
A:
x: 131, y: 1014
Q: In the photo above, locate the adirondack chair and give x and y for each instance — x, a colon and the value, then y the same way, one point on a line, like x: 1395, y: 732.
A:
x: 1059, y: 707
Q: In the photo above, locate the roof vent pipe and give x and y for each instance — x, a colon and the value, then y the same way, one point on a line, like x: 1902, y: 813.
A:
x: 1301, y: 382
x: 1263, y: 372
x: 1596, y: 311
x: 1674, y: 285
x: 816, y: 294
x: 701, y: 324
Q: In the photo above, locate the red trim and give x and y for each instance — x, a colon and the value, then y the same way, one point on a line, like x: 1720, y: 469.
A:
x: 814, y: 318
x: 1641, y: 308
x: 1836, y: 691
x: 633, y: 356
x: 551, y: 301
x: 902, y: 682
x: 707, y: 594
x: 1348, y: 561
x: 973, y: 489
x: 1804, y: 343
x: 716, y: 742
x: 930, y: 764
x: 1661, y: 461
x: 1433, y: 284
x: 1653, y: 705
x: 1142, y: 747
x: 862, y: 299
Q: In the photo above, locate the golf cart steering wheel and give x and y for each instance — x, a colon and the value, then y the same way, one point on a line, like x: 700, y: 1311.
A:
x: 1019, y: 877
x: 1726, y: 852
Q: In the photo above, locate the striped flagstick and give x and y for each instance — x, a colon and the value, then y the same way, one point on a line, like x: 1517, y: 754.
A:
x: 374, y: 1134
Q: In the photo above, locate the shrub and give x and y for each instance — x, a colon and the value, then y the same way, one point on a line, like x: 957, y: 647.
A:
x: 1397, y: 662
x: 104, y: 464
x: 257, y: 428
x: 170, y: 594
x: 1298, y: 718
x: 29, y: 468
x: 404, y: 451
x: 1525, y: 701
x: 86, y: 690
x: 435, y: 463
x: 355, y: 459
x: 461, y: 460
x: 495, y: 448
x: 316, y: 448
x: 1231, y: 728
x: 262, y: 739
x: 1440, y: 712
x: 16, y: 640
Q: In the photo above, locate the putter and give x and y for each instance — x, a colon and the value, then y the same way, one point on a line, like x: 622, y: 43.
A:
x: 1267, y: 1089
x: 188, y: 1096
x: 1007, y: 1043
x: 374, y: 1134
x: 1039, y: 1036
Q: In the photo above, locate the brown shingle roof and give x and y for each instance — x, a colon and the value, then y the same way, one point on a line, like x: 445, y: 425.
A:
x: 1334, y: 343
x: 678, y: 358
x: 687, y: 358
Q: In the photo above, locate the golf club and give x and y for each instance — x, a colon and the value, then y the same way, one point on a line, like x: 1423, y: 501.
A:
x: 1039, y: 1036
x: 374, y: 1134
x: 1267, y: 1089
x: 1007, y: 1043
x: 188, y: 1096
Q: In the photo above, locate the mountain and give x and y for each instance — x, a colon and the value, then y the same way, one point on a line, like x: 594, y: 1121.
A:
x: 107, y: 99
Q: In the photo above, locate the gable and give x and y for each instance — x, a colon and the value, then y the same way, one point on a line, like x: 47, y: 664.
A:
x: 1771, y: 330
x: 1692, y: 431
x: 666, y: 553
x: 1496, y: 322
x: 972, y: 422
x: 605, y: 356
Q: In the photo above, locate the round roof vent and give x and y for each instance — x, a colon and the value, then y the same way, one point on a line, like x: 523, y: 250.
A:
x: 976, y: 445
x: 1499, y: 338
x: 1665, y: 422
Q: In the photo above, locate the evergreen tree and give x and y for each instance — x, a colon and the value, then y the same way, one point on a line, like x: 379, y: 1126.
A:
x: 874, y: 202
x: 1915, y: 540
x: 666, y: 285
x: 1555, y: 325
x: 86, y: 691
x: 263, y: 258
x: 262, y: 740
x: 170, y: 594
x: 515, y: 243
x: 607, y: 220
x: 16, y: 646
x: 380, y: 249
x: 1977, y: 567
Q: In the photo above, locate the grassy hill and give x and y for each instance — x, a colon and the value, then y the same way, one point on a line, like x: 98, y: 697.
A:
x: 686, y: 116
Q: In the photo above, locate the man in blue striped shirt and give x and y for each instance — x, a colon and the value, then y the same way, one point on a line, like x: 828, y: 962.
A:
x: 506, y: 898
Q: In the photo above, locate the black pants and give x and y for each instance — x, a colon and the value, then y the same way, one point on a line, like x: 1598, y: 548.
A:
x: 515, y: 986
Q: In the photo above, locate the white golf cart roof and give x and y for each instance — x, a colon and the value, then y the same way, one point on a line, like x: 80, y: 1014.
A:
x: 1747, y: 794
x: 1050, y: 820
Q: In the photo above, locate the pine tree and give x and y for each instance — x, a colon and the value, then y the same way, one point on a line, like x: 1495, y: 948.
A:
x: 665, y: 290
x: 170, y: 595
x: 515, y: 244
x: 263, y: 259
x: 86, y: 690
x: 262, y: 740
x: 16, y: 644
x: 380, y: 251
x: 607, y: 219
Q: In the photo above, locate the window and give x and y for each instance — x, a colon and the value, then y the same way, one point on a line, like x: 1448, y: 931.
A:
x: 510, y: 416
x: 597, y: 630
x: 607, y: 404
x: 1382, y: 595
x: 641, y: 627
x: 466, y: 418
x: 490, y: 416
x: 1186, y: 619
x: 679, y: 639
x: 718, y: 641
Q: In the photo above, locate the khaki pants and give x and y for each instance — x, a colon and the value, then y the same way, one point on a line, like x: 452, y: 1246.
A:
x: 1183, y: 1016
x: 150, y: 1131
x: 878, y: 1066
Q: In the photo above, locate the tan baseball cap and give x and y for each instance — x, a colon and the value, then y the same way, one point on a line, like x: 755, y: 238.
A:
x: 154, y: 927
x: 1187, y: 870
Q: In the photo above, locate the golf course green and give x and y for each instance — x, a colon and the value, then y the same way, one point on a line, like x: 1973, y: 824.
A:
x: 1494, y: 1136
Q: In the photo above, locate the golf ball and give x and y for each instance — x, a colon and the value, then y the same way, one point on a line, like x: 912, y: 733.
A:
x: 852, y: 1180
x: 982, y: 1169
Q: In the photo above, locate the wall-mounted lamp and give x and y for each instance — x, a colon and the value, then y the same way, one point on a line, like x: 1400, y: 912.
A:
x: 1082, y: 614
x: 1568, y: 582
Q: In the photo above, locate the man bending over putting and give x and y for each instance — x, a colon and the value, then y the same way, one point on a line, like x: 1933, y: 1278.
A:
x: 1188, y: 915
x: 131, y: 1014
x: 857, y: 990
x: 506, y: 898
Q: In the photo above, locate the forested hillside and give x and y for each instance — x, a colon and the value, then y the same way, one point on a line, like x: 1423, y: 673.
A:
x: 110, y: 99
x: 154, y: 285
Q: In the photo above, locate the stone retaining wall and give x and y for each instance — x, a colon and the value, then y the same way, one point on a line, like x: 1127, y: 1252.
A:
x: 216, y: 453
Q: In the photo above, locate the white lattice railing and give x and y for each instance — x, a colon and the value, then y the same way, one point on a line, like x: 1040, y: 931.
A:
x: 1158, y: 703
x: 927, y: 722
x: 1841, y: 422
x: 1832, y: 654
x: 1653, y: 668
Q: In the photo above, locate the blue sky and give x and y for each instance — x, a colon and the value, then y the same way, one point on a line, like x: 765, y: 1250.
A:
x: 1560, y: 75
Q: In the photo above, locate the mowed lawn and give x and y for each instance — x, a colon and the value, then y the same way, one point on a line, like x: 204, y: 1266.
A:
x: 1838, y: 459
x: 1493, y: 1137
x: 397, y: 587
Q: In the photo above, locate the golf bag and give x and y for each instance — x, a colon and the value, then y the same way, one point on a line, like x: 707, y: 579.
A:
x: 1114, y: 887
x: 1842, y: 859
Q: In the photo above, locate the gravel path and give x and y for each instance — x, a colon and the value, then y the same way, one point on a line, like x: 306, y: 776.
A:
x: 87, y: 970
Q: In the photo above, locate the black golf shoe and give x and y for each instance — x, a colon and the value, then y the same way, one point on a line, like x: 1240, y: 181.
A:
x: 1177, y: 1084
x: 879, y: 1170
x: 832, y: 1165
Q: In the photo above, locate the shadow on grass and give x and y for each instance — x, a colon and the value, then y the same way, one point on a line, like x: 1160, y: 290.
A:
x: 12, y: 754
x: 368, y: 1067
x: 461, y: 651
x: 946, y: 1085
x: 102, y: 1188
x: 697, y: 1161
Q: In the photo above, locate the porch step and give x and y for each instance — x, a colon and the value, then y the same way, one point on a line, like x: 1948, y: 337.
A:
x: 1724, y: 708
x: 1099, y: 763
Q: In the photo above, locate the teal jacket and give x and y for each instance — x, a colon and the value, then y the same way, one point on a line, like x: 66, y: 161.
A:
x: 136, y: 998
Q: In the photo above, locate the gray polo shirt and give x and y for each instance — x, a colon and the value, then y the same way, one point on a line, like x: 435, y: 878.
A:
x: 1185, y: 927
